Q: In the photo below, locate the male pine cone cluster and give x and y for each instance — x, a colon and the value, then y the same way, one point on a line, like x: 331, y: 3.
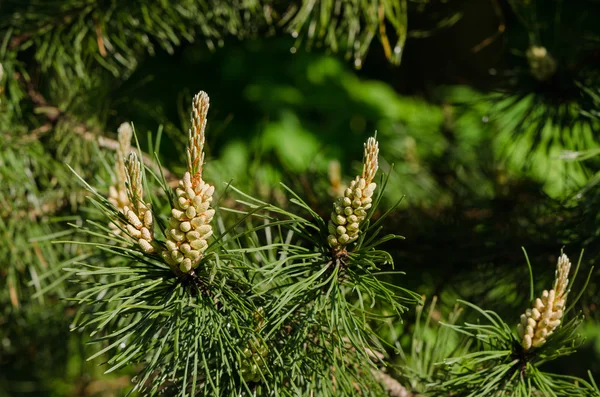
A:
x: 139, y: 217
x: 189, y: 224
x: 350, y: 210
x: 117, y: 193
x: 539, y: 322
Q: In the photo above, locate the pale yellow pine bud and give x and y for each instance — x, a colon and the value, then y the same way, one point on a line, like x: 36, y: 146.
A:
x: 124, y: 137
x: 350, y: 210
x: 561, y: 282
x: 134, y: 184
x: 371, y: 161
x: 191, y: 216
x: 125, y: 133
x: 538, y: 323
x: 117, y: 193
x: 139, y: 215
x: 195, y: 150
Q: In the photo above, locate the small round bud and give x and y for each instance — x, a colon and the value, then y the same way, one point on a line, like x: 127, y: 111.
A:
x: 332, y: 241
x: 190, y: 193
x: 177, y: 256
x: 146, y: 246
x: 177, y: 214
x: 185, y: 265
x: 185, y: 227
x: 177, y: 235
x: 171, y: 245
x: 190, y: 212
x: 340, y: 220
x: 185, y: 248
x: 353, y: 227
x: 193, y: 235
x: 344, y: 239
x: 194, y: 255
x: 148, y: 219
x: 133, y: 231
x: 133, y: 218
x: 199, y: 244
x: 145, y: 234
x: 526, y: 343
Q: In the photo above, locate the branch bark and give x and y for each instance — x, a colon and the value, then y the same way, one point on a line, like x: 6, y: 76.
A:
x: 88, y: 133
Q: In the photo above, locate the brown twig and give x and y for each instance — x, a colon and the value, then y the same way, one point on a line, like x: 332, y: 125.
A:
x: 392, y: 386
x: 100, y: 40
x: 54, y: 115
x: 501, y: 28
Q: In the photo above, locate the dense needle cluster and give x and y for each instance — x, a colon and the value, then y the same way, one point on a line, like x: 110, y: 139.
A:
x: 351, y: 209
x: 189, y: 225
x: 540, y: 321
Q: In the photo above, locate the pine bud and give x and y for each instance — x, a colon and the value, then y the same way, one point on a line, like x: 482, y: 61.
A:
x: 139, y: 217
x: 190, y: 222
x: 254, y: 361
x: 117, y: 193
x: 350, y: 210
x: 541, y: 63
x: 538, y: 323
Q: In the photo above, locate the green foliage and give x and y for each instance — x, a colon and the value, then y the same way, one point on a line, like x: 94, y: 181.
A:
x: 294, y: 305
x: 507, y: 158
x: 499, y: 365
x: 350, y: 26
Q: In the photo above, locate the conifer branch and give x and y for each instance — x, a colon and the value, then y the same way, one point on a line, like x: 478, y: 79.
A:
x: 54, y: 115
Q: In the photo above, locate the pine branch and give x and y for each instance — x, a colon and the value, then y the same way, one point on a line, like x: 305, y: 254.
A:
x: 54, y: 115
x: 392, y: 386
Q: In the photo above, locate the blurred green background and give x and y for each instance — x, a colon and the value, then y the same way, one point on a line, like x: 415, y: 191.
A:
x: 488, y: 157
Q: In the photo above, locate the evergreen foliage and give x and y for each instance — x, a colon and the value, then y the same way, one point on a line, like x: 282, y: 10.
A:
x: 142, y: 260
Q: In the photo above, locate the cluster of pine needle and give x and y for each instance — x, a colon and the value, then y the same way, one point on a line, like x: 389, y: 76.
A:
x: 234, y: 301
x: 255, y: 300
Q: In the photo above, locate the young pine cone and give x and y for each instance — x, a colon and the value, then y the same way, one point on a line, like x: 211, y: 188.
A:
x: 140, y: 223
x: 117, y: 193
x: 189, y: 226
x: 255, y: 362
x: 350, y: 210
x: 539, y: 322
